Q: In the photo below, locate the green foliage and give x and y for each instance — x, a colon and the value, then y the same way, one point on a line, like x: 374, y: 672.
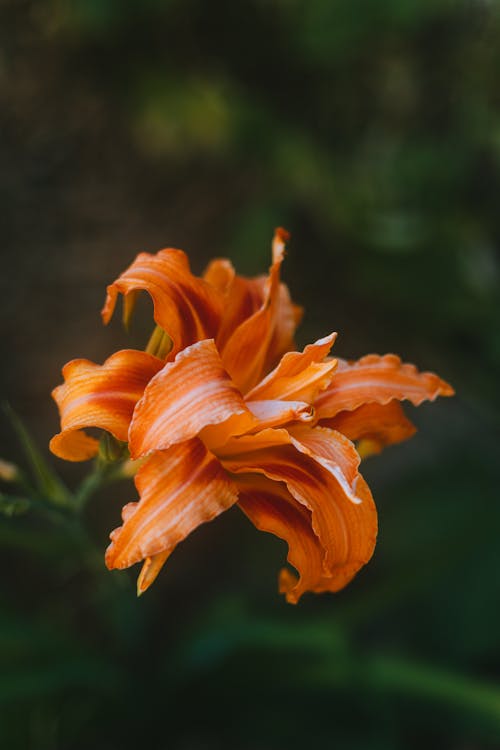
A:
x: 371, y: 130
x: 46, y: 482
x: 13, y: 506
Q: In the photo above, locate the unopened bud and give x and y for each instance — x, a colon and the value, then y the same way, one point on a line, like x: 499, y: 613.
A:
x: 8, y: 471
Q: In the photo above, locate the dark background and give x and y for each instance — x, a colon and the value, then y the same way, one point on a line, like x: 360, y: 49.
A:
x: 371, y: 130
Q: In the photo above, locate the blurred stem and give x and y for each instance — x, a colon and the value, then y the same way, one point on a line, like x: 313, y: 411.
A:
x: 429, y: 682
x: 408, y: 583
x: 383, y: 673
x: 91, y: 484
x: 46, y: 480
x: 103, y: 473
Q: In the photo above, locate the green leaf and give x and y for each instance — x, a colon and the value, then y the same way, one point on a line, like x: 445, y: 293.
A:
x: 46, y: 480
x: 13, y: 506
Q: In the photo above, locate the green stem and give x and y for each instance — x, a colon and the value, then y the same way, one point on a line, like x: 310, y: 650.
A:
x: 391, y: 674
x: 103, y: 473
x: 426, y: 681
x: 91, y: 484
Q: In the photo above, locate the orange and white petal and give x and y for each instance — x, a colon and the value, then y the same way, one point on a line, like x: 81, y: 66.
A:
x: 242, y: 296
x: 102, y: 396
x: 220, y: 274
x: 262, y: 440
x: 276, y: 413
x: 150, y: 570
x: 288, y: 318
x: 244, y: 299
x: 299, y: 375
x: 246, y: 351
x: 188, y: 308
x: 373, y: 425
x: 345, y: 526
x: 332, y: 449
x: 378, y: 379
x: 288, y: 315
x: 180, y: 489
x: 190, y: 394
x: 271, y: 508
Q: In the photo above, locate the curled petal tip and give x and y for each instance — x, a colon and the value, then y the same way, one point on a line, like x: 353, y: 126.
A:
x: 447, y: 389
x: 281, y: 237
x: 150, y: 569
x: 288, y: 585
x: 282, y: 234
x: 109, y: 304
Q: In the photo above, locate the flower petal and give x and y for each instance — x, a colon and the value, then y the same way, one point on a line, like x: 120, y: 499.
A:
x: 259, y: 441
x: 376, y: 379
x: 186, y: 396
x: 346, y: 529
x: 300, y: 375
x: 277, y: 413
x: 220, y: 274
x: 380, y: 424
x: 248, y: 348
x: 179, y: 489
x: 288, y: 318
x: 102, y: 396
x: 271, y: 508
x: 188, y: 308
x: 332, y: 449
x: 150, y: 570
x: 243, y: 298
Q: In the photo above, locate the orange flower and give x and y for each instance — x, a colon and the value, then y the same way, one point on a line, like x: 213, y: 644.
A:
x: 232, y: 416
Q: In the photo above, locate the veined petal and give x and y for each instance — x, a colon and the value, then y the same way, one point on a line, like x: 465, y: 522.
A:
x: 188, y: 308
x: 247, y: 349
x: 271, y: 508
x: 288, y: 315
x: 378, y: 379
x: 150, y: 570
x: 260, y: 441
x: 332, y: 449
x: 379, y: 424
x: 288, y: 318
x: 277, y: 413
x: 242, y: 297
x: 300, y: 375
x: 220, y: 274
x: 345, y: 528
x: 102, y: 396
x: 189, y: 394
x: 179, y: 488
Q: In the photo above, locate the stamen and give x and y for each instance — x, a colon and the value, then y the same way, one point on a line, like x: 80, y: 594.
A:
x: 129, y: 301
x: 159, y: 343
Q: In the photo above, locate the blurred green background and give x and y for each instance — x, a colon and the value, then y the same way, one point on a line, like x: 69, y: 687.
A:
x: 371, y: 130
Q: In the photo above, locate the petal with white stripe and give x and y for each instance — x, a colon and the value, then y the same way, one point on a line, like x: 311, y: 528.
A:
x: 180, y: 488
x: 192, y: 394
x: 102, y: 396
x: 376, y: 379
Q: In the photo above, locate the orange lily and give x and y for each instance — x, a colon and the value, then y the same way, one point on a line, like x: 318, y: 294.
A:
x: 230, y: 414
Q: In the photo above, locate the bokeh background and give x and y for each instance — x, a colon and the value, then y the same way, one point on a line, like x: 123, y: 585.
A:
x: 371, y: 130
